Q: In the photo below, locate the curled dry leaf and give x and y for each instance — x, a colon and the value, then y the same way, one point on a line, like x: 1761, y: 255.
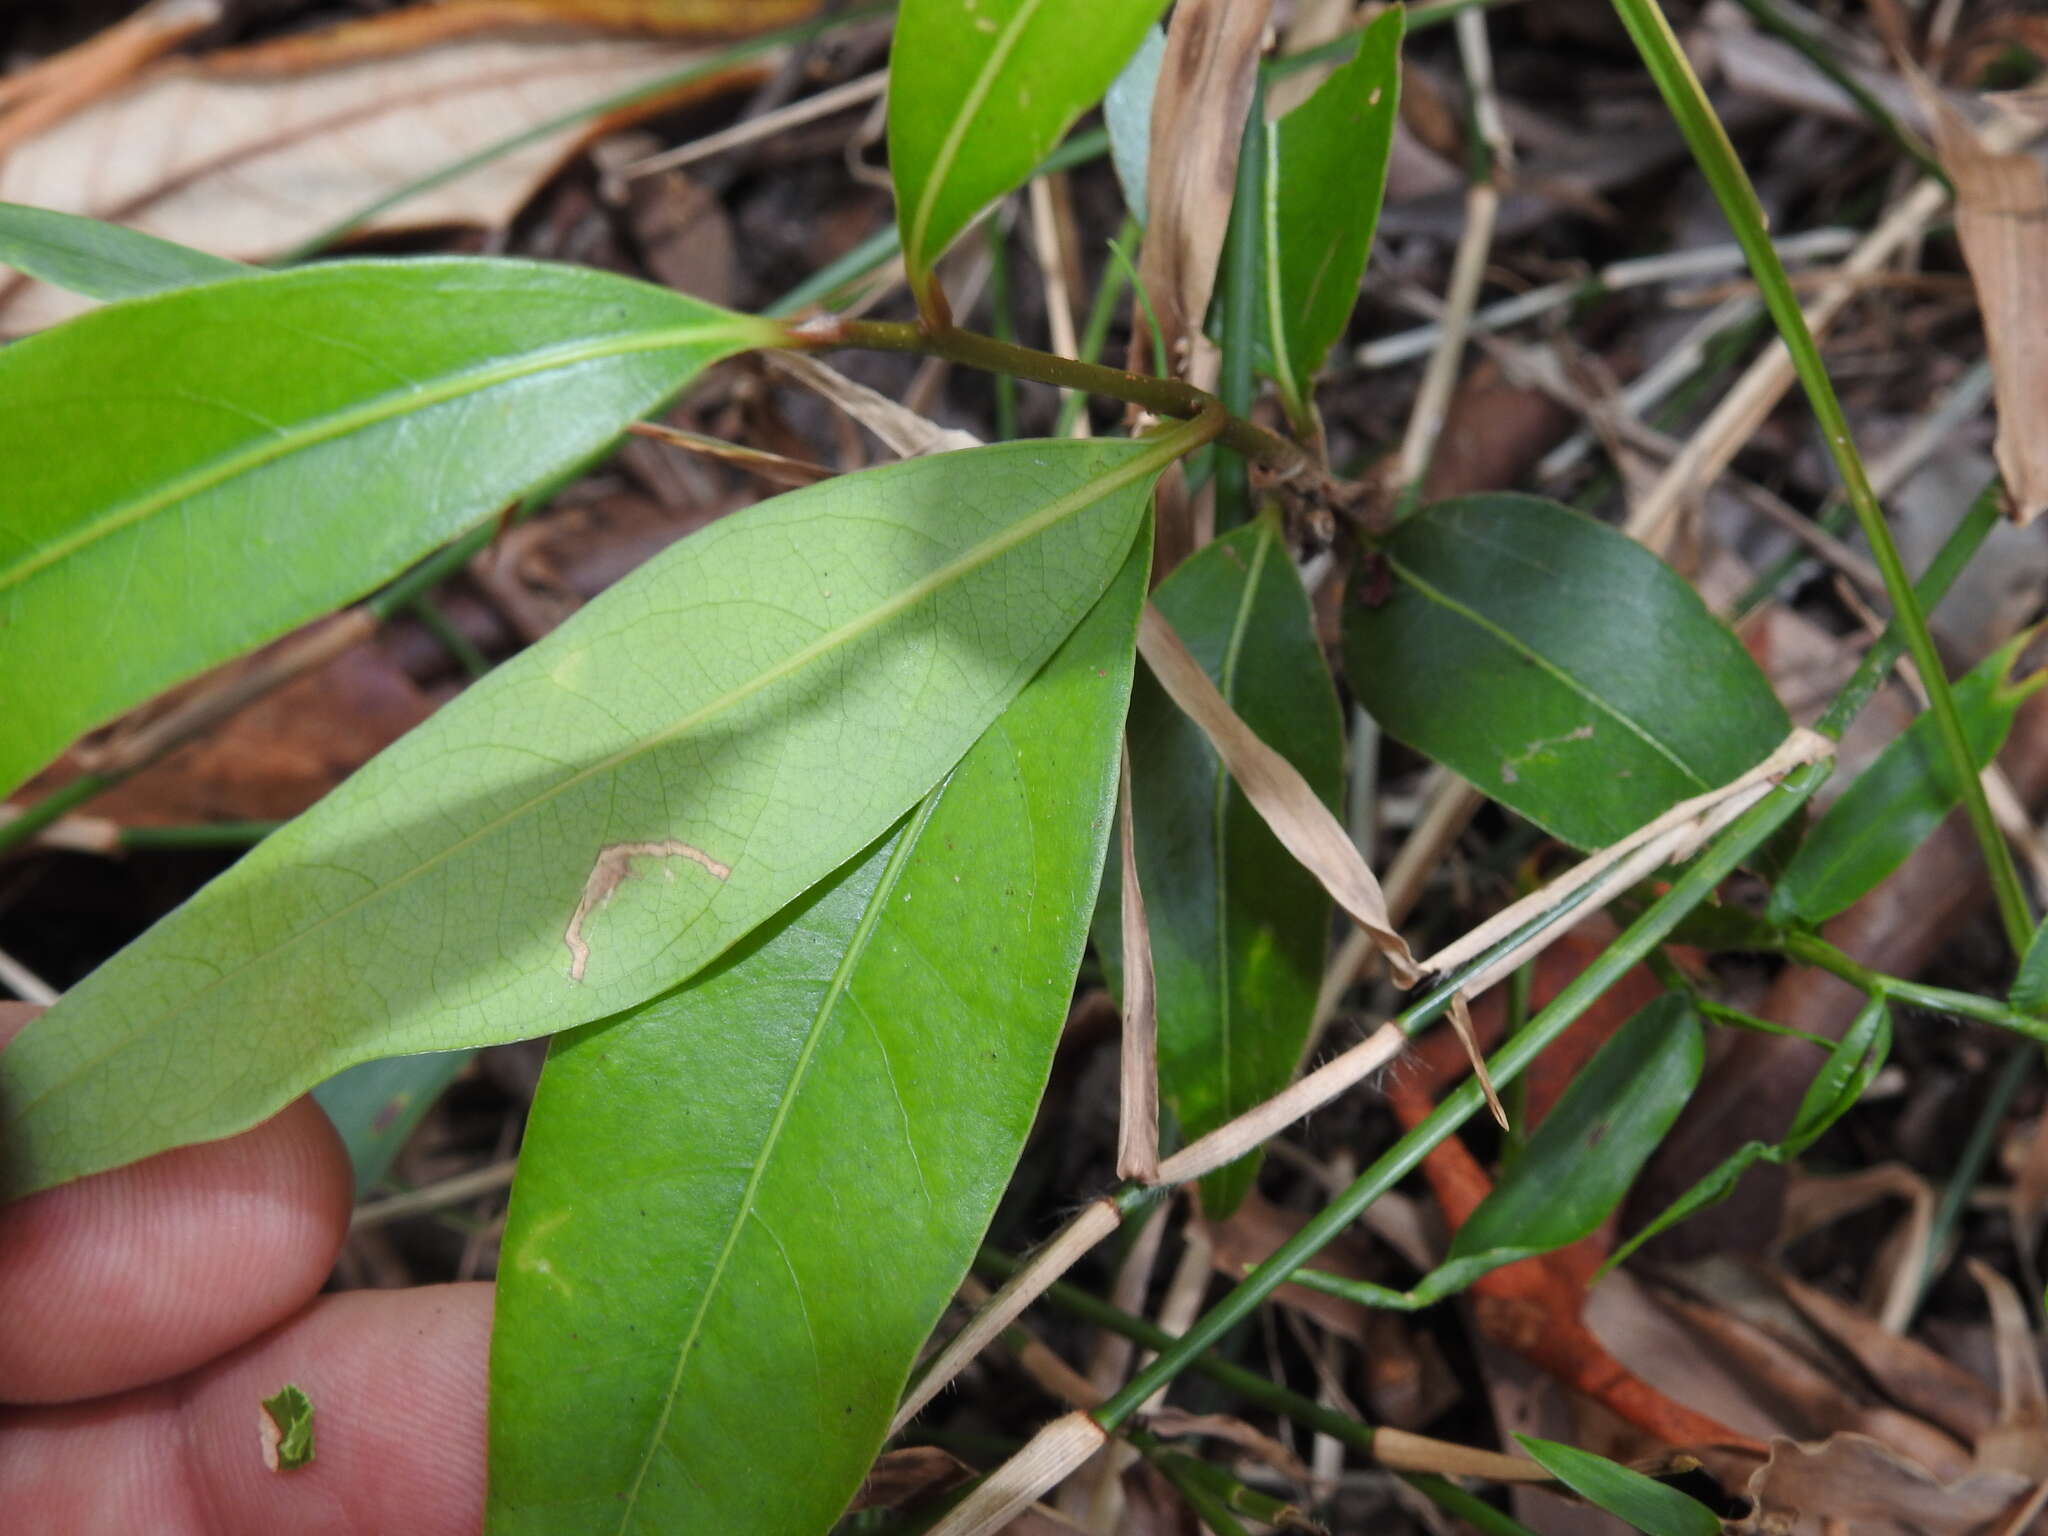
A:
x: 250, y: 166
x: 2019, y: 1440
x: 1198, y: 113
x: 1277, y: 790
x: 2002, y: 222
x: 1137, y: 1149
x: 904, y: 431
x: 1852, y: 1482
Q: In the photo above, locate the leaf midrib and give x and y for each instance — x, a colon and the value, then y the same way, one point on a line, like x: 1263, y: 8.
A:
x: 956, y: 132
x: 1099, y: 488
x: 835, y: 990
x: 375, y: 412
x: 1545, y: 665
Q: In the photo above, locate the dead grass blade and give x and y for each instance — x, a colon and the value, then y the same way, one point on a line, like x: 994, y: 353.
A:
x: 1137, y: 1145
x: 1198, y: 113
x: 1052, y: 1455
x: 2002, y: 223
x: 902, y: 429
x: 1674, y: 835
x: 1277, y: 791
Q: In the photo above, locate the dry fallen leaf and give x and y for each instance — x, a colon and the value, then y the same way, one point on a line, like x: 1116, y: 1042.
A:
x: 1198, y: 113
x: 2002, y: 222
x: 250, y: 166
x: 1277, y: 791
x: 904, y: 431
x: 1137, y: 1146
x: 1851, y: 1482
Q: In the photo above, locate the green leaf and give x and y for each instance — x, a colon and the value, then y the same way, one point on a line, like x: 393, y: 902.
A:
x: 99, y: 260
x: 764, y: 698
x: 1576, y: 1168
x: 1855, y: 1060
x: 377, y: 1106
x: 215, y: 465
x: 1239, y: 928
x: 1847, y: 1071
x: 979, y: 92
x: 1596, y: 1138
x: 288, y: 1439
x: 1897, y: 802
x: 1643, y: 1502
x: 2030, y: 987
x: 742, y: 1207
x: 1326, y: 170
x: 1127, y: 115
x: 1556, y: 664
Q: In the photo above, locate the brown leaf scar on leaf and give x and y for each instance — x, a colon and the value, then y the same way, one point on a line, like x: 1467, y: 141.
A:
x: 612, y: 869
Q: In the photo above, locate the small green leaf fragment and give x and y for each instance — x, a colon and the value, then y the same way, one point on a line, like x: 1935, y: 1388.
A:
x: 1646, y: 1504
x: 288, y: 1429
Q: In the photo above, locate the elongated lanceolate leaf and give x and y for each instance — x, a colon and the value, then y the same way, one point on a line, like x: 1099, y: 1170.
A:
x: 1239, y: 927
x: 2030, y: 987
x: 979, y: 92
x: 198, y: 471
x: 604, y: 814
x: 1556, y: 664
x: 1897, y: 802
x: 1644, y: 1503
x: 1326, y: 170
x: 1847, y: 1071
x: 742, y: 1207
x: 1582, y: 1159
x: 102, y: 261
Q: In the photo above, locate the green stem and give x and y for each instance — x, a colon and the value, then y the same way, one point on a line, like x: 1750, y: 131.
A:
x: 1812, y: 949
x: 33, y: 818
x: 1163, y: 397
x: 1003, y: 322
x: 1641, y: 938
x: 1688, y: 104
x: 1241, y: 250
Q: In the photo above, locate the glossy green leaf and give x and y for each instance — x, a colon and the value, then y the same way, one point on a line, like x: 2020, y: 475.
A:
x: 742, y: 1207
x: 1127, y: 115
x: 1326, y: 170
x: 1844, y: 1075
x: 2030, y: 987
x: 1239, y: 928
x: 1643, y: 1502
x: 979, y: 92
x: 99, y: 260
x: 214, y: 465
x: 1587, y: 1152
x: 727, y: 725
x: 1556, y: 664
x: 1897, y: 802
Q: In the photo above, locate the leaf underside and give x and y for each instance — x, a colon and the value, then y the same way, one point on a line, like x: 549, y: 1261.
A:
x: 857, y: 635
x: 742, y: 1207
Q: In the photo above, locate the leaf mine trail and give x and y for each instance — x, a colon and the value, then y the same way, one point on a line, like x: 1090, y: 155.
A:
x: 612, y: 869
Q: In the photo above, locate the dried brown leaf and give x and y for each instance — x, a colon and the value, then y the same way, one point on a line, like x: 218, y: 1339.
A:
x: 1277, y: 791
x: 1137, y: 1145
x: 2019, y: 1441
x: 1910, y: 1373
x: 902, y: 429
x: 2002, y: 223
x: 899, y: 1477
x: 1851, y: 1482
x: 249, y: 166
x: 1198, y: 114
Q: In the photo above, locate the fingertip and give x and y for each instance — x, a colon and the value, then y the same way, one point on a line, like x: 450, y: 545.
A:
x: 139, y: 1273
